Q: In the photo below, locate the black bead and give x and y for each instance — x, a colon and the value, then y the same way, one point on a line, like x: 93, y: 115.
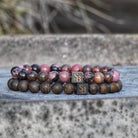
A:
x: 9, y: 83
x: 93, y: 88
x: 69, y: 88
x: 104, y: 88
x: 88, y: 77
x: 42, y: 76
x: 57, y: 88
x: 32, y: 76
x: 87, y: 68
x: 45, y: 87
x: 55, y: 67
x: 36, y: 68
x: 34, y: 86
x: 23, y: 85
x: 22, y: 75
x: 14, y: 85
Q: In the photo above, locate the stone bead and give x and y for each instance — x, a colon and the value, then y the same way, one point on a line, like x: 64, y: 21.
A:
x: 14, y: 85
x: 42, y: 76
x: 104, y: 69
x: 104, y: 88
x: 113, y: 87
x: 45, y: 68
x: 15, y: 71
x: 22, y: 75
x: 64, y: 76
x: 77, y: 68
x: 87, y: 68
x: 88, y: 77
x: 55, y: 67
x: 28, y: 68
x: 34, y: 86
x: 9, y: 83
x: 69, y: 88
x: 119, y: 85
x: 96, y: 69
x: 57, y: 88
x: 98, y: 77
x: 53, y: 76
x: 108, y: 77
x: 32, y: 76
x: 45, y: 87
x: 115, y: 74
x: 36, y: 68
x: 66, y: 68
x: 20, y: 66
x: 93, y: 88
x: 23, y: 86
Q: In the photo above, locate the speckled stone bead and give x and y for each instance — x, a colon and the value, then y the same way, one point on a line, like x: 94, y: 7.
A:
x: 32, y: 76
x: 45, y: 87
x: 96, y: 69
x: 23, y: 86
x: 28, y: 68
x: 53, y: 76
x: 57, y: 88
x: 14, y: 85
x: 36, y: 68
x: 9, y: 83
x: 64, y: 76
x: 98, y: 77
x: 55, y: 67
x: 87, y: 68
x: 69, y: 88
x: 42, y: 76
x: 88, y: 77
x: 34, y: 86
x: 66, y: 68
x: 22, y: 75
x: 108, y: 77
x: 45, y: 68
x: 104, y: 88
x: 15, y: 71
x: 93, y: 88
x: 77, y: 68
x: 115, y: 74
x: 113, y: 87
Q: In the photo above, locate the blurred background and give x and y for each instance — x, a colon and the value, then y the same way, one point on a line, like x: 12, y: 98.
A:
x: 68, y: 16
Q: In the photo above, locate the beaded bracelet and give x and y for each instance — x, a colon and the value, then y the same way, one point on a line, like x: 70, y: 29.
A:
x: 75, y: 79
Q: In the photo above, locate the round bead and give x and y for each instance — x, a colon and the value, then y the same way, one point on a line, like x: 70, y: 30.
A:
x: 69, y: 88
x: 45, y: 87
x: 53, y: 76
x: 104, y: 88
x: 66, y: 68
x: 113, y: 87
x: 32, y: 76
x: 93, y: 88
x: 55, y: 67
x: 57, y: 88
x: 14, y: 85
x: 104, y: 69
x: 23, y: 85
x: 15, y: 71
x: 87, y: 68
x: 108, y: 77
x: 36, y: 68
x: 20, y: 66
x: 9, y: 83
x: 27, y: 68
x: 115, y: 74
x: 64, y: 76
x: 42, y: 76
x: 77, y: 68
x: 119, y: 85
x: 22, y: 75
x: 96, y: 69
x: 45, y: 68
x: 88, y: 77
x: 34, y: 86
x: 98, y: 77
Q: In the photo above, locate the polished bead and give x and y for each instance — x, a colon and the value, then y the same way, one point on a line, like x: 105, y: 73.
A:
x: 113, y: 87
x: 28, y: 68
x: 23, y: 86
x: 53, y: 76
x: 45, y: 68
x: 32, y: 76
x: 55, y: 67
x: 66, y: 68
x: 104, y: 88
x: 69, y: 88
x: 22, y: 75
x: 34, y: 86
x: 36, y: 68
x: 77, y: 68
x: 104, y: 69
x: 87, y: 68
x: 45, y: 87
x: 20, y: 66
x: 88, y: 77
x: 98, y: 77
x: 15, y: 71
x: 93, y: 88
x: 14, y: 85
x: 64, y: 76
x: 9, y: 83
x: 96, y: 69
x: 119, y: 84
x: 108, y: 77
x: 57, y: 88
x: 42, y: 76
x: 115, y: 74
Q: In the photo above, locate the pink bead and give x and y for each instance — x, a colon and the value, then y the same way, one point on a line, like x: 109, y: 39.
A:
x: 45, y: 68
x: 77, y: 68
x: 64, y: 76
x: 53, y: 76
x: 115, y: 74
x: 28, y: 68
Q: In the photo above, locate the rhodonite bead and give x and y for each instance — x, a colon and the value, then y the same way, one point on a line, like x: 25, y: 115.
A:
x: 42, y: 76
x: 77, y: 68
x: 57, y: 88
x: 96, y: 69
x: 104, y: 88
x: 36, y: 68
x: 99, y: 77
x: 14, y: 85
x: 88, y: 77
x: 28, y: 68
x: 69, y: 88
x: 45, y: 68
x: 104, y: 69
x: 93, y: 88
x: 66, y: 68
x: 45, y: 87
x: 87, y: 68
x: 108, y: 77
x: 53, y: 76
x: 15, y: 71
x: 22, y: 75
x: 55, y: 67
x: 64, y: 76
x: 32, y: 76
x: 23, y: 85
x: 34, y: 86
x: 115, y: 74
x: 113, y: 87
x: 9, y: 83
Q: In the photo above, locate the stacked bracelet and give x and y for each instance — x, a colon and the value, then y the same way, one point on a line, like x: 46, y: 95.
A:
x: 57, y: 78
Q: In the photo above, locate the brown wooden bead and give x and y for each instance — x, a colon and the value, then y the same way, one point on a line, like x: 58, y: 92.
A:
x: 93, y: 88
x: 14, y: 85
x: 9, y: 83
x: 45, y: 87
x: 34, y: 86
x: 119, y: 85
x: 98, y: 77
x: 22, y: 75
x: 108, y: 77
x: 57, y: 88
x: 113, y: 87
x: 23, y: 85
x: 69, y: 88
x: 104, y: 88
x: 32, y: 76
x: 42, y: 76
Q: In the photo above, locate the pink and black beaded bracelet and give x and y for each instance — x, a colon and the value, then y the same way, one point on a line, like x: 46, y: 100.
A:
x: 55, y: 78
